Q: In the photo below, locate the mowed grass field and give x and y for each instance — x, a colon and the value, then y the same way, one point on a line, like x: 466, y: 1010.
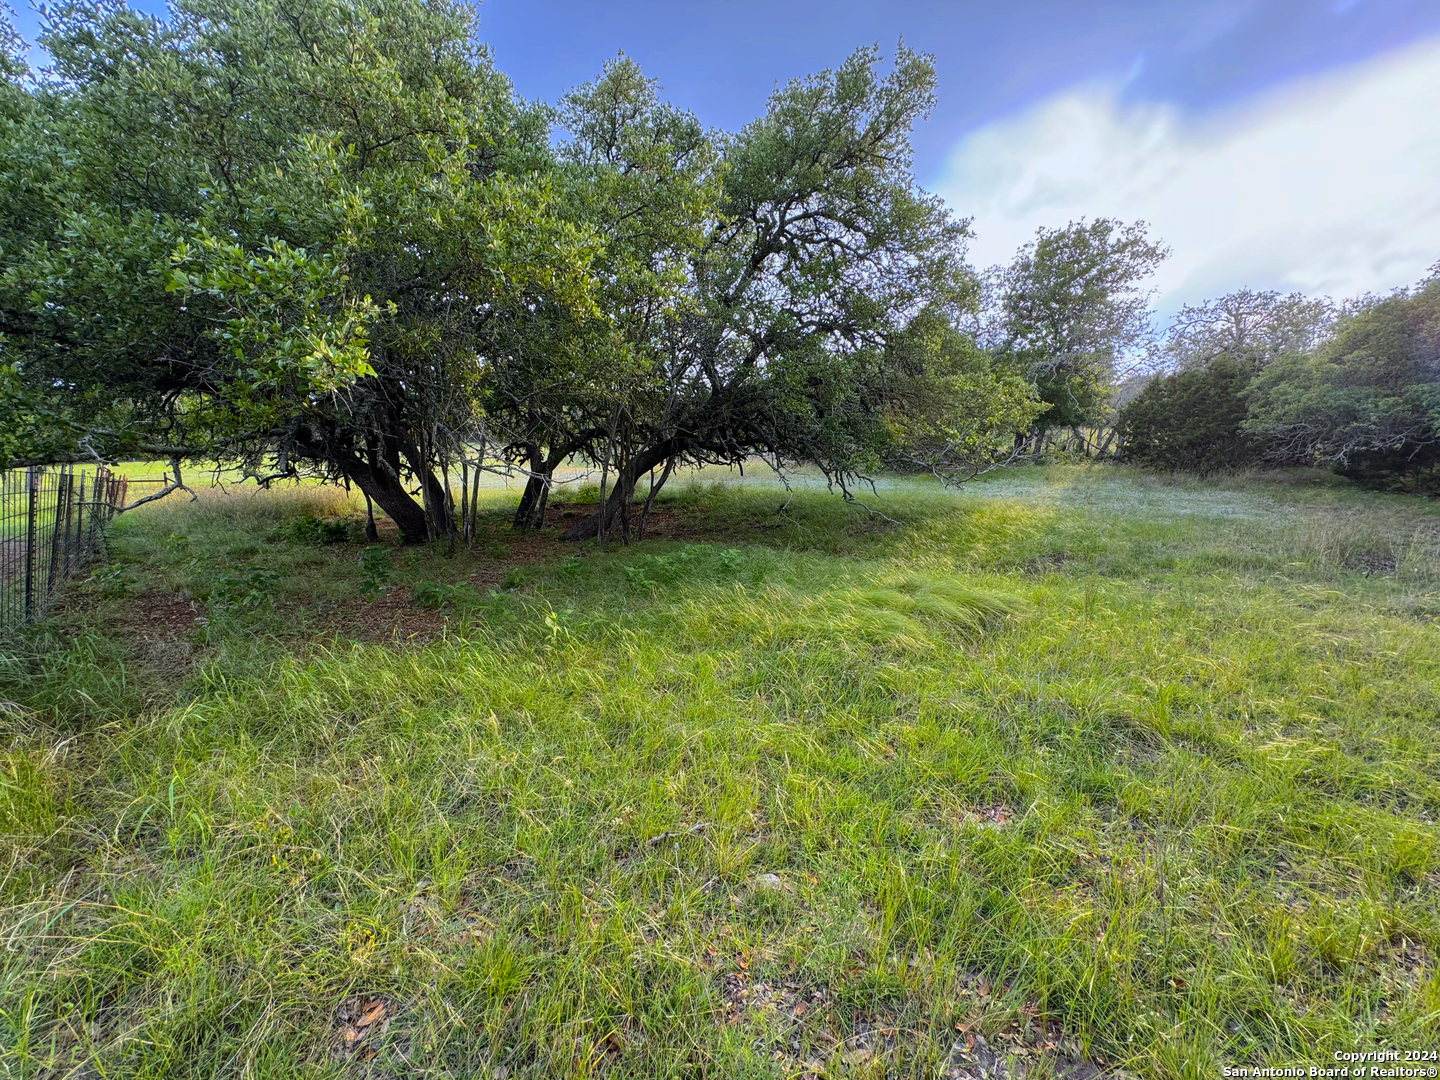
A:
x: 1075, y: 772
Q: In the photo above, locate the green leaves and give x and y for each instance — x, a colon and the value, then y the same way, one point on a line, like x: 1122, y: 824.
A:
x: 288, y: 235
x: 324, y: 236
x: 294, y: 324
x: 1190, y: 420
x: 1368, y: 401
x: 1074, y: 307
x: 376, y: 567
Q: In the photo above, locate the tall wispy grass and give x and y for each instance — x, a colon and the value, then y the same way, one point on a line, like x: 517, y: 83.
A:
x: 1161, y: 775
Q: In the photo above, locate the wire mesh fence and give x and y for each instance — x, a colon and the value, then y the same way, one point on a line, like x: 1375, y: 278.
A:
x: 52, y: 524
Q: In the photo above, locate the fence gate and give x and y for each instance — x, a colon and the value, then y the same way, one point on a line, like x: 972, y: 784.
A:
x: 52, y: 523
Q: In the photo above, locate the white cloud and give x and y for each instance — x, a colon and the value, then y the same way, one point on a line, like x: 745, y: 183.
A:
x: 1330, y: 185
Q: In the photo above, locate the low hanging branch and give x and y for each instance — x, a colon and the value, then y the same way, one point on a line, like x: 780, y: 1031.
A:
x: 849, y: 498
x: 177, y: 484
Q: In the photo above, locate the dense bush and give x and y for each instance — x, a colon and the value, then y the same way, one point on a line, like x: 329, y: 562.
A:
x: 1191, y: 421
x: 1357, y: 390
x: 1404, y: 469
x: 1366, y: 402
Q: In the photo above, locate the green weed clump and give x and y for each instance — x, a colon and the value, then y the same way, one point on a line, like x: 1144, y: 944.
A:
x: 438, y: 594
x: 1080, y: 764
x: 377, y: 567
x: 309, y: 529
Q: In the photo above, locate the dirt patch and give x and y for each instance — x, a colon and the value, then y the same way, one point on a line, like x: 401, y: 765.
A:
x: 800, y: 1026
x: 797, y: 1022
x: 1016, y: 1055
x: 664, y: 523
x: 519, y: 549
x: 391, y: 616
x: 1026, y: 1044
x: 985, y: 816
x: 358, y: 1024
x: 1404, y: 966
x: 1371, y: 563
x: 162, y: 615
x: 156, y: 617
x: 1046, y: 564
x: 159, y: 628
x: 163, y: 628
x: 742, y: 995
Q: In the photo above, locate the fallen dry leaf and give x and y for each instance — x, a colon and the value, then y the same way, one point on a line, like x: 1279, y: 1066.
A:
x: 373, y: 1014
x: 800, y: 1008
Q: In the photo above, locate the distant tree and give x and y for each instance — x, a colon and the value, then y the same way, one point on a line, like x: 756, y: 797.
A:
x: 1367, y: 401
x: 1250, y: 328
x: 1190, y: 420
x: 1072, y: 309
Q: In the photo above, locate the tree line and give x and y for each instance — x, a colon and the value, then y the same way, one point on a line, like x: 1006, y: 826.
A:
x: 1259, y: 378
x: 326, y: 238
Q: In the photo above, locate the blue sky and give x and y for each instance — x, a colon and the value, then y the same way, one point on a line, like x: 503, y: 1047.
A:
x: 722, y: 59
x: 1271, y: 143
x: 1291, y: 144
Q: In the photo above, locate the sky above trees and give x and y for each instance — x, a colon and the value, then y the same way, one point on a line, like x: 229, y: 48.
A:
x: 1272, y: 143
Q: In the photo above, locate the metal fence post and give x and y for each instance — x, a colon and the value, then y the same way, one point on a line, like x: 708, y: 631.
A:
x: 31, y: 476
x: 80, y: 524
x: 69, y: 507
x: 100, y: 478
x: 57, y: 534
x: 9, y: 593
x: 30, y: 579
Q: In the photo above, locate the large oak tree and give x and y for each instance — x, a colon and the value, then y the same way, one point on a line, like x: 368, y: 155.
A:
x: 817, y: 293
x: 284, y: 234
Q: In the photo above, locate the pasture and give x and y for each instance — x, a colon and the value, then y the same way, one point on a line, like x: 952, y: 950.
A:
x: 1073, y: 772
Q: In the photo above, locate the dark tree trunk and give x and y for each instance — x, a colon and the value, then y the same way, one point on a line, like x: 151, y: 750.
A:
x: 375, y: 471
x: 650, y: 496
x: 387, y: 492
x: 530, y: 514
x: 624, y: 489
x: 435, y: 499
x: 525, y: 513
x: 441, y: 519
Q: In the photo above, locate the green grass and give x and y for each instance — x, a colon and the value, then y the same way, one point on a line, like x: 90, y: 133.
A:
x: 1146, y: 769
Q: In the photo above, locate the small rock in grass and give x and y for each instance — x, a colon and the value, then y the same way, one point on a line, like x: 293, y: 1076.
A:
x: 769, y: 882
